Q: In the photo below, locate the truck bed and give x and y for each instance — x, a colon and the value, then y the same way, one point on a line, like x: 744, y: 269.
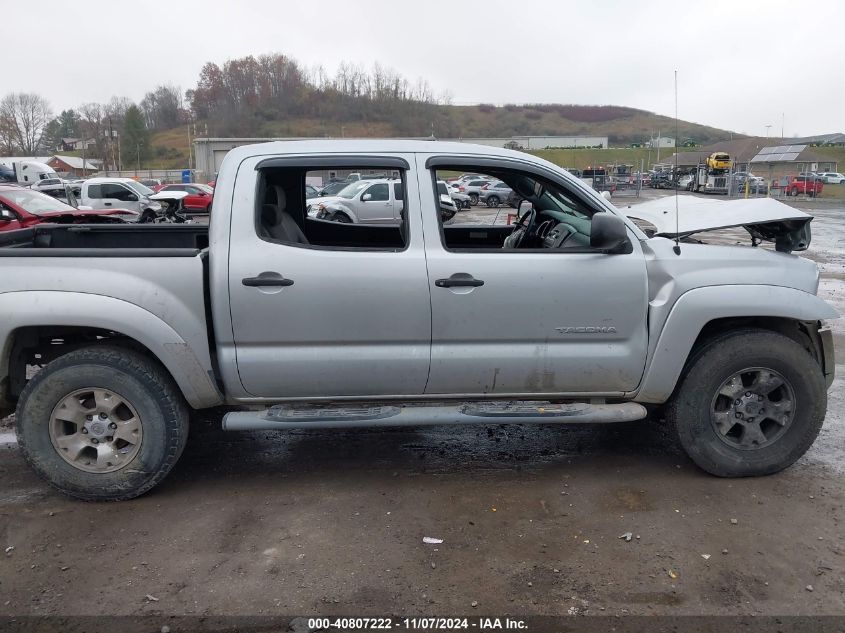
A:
x: 144, y: 282
x: 105, y: 240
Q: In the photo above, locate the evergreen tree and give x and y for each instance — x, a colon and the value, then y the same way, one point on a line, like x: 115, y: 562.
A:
x: 136, y: 137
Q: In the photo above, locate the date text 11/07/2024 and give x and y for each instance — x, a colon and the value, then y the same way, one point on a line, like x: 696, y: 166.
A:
x: 418, y: 623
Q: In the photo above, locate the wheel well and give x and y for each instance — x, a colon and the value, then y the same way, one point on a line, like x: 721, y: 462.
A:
x: 35, y: 346
x: 805, y: 333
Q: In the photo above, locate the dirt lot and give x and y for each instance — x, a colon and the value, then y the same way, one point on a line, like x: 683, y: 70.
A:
x: 325, y: 522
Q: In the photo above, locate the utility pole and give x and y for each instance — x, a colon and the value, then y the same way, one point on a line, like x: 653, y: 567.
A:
x: 138, y: 156
x: 190, y: 148
x: 658, y: 145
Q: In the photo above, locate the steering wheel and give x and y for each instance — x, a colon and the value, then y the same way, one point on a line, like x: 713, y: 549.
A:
x: 524, y: 226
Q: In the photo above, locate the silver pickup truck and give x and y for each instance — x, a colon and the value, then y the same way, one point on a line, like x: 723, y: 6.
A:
x: 113, y: 334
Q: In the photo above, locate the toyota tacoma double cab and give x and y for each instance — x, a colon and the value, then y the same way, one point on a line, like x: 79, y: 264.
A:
x: 113, y: 334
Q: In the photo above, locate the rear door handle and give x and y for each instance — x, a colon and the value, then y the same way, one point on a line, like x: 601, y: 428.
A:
x: 266, y: 280
x: 459, y: 280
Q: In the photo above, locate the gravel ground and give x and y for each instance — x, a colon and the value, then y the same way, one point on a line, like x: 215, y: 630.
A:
x: 312, y: 522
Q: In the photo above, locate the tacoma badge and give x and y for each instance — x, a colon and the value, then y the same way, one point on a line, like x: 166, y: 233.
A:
x: 587, y: 329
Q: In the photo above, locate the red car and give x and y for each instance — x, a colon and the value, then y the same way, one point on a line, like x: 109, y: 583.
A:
x: 199, y: 196
x: 21, y: 208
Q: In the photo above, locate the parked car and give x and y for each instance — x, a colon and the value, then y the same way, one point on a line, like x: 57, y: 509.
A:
x: 448, y: 207
x: 368, y: 201
x: 311, y: 192
x: 832, y: 178
x: 22, y: 207
x: 462, y: 200
x: 294, y: 322
x: 122, y: 193
x: 662, y: 180
x: 153, y: 183
x: 686, y: 182
x: 755, y: 185
x: 199, y: 196
x: 472, y: 188
x: 810, y: 185
x: 332, y: 188
x: 47, y: 183
x: 494, y: 193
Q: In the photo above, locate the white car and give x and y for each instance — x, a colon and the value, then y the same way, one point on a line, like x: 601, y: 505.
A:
x: 362, y: 201
x: 832, y: 178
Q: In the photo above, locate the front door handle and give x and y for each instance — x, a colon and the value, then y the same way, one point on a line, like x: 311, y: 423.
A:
x: 459, y: 280
x: 266, y: 280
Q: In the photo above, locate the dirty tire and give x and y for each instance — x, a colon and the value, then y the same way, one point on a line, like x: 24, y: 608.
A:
x: 140, y: 380
x: 689, y: 410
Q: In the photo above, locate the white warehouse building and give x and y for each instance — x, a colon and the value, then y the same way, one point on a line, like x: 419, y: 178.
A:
x: 209, y: 152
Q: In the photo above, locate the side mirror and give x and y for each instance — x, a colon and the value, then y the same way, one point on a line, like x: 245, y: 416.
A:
x: 524, y: 207
x: 606, y: 195
x: 366, y: 197
x: 132, y: 198
x: 609, y: 234
x: 5, y: 216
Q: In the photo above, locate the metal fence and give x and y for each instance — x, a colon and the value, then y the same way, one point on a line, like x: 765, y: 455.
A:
x: 166, y: 176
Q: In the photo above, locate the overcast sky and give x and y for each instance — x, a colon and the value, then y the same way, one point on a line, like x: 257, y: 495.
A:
x: 741, y: 64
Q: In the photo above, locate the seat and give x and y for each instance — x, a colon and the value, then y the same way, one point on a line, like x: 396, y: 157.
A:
x: 278, y: 224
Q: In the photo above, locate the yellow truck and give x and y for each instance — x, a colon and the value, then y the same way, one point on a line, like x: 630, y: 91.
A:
x: 718, y: 161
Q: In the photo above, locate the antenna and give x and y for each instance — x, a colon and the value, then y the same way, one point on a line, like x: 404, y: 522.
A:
x: 677, y: 247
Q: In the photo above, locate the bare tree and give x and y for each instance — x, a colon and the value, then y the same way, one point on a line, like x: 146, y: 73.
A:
x: 23, y: 117
x: 93, y: 126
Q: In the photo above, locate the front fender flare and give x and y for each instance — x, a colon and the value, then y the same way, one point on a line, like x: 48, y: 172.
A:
x: 45, y: 308
x: 697, y: 307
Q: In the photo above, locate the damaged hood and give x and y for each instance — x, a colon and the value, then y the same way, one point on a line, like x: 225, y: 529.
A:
x: 763, y: 218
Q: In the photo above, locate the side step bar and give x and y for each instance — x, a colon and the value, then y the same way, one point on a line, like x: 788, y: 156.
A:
x: 327, y: 417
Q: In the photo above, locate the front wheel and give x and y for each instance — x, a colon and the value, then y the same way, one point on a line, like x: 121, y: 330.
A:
x: 793, y: 192
x: 473, y: 199
x: 102, y: 423
x: 492, y: 201
x: 750, y: 403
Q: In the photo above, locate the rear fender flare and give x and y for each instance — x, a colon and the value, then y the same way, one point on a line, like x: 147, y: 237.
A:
x: 193, y: 375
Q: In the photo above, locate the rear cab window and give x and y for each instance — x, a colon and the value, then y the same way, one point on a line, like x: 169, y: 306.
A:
x: 366, y: 213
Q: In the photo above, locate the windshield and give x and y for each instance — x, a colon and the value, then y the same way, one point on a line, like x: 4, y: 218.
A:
x: 141, y: 189
x: 349, y: 191
x: 35, y: 202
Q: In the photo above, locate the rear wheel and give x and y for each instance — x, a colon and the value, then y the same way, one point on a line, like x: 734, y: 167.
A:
x: 102, y: 423
x: 750, y: 403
